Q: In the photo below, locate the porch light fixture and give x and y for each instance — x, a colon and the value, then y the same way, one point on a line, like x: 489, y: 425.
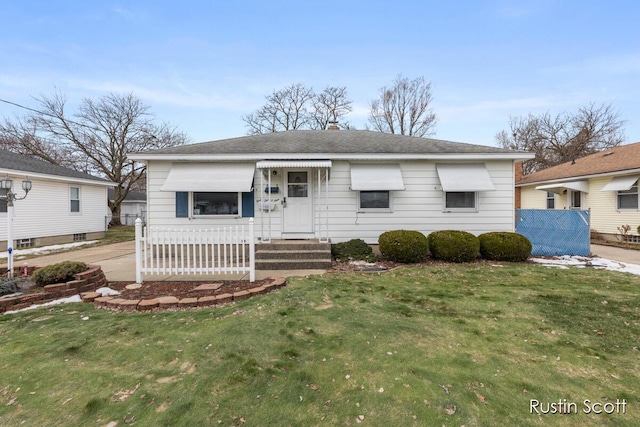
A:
x: 6, y: 184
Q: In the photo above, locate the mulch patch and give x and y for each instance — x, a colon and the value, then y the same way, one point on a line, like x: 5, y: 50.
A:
x: 180, y: 290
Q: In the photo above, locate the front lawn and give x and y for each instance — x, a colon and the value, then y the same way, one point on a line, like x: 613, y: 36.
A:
x: 471, y: 344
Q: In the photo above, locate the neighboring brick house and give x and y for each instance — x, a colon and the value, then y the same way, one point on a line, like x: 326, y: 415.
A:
x: 606, y: 183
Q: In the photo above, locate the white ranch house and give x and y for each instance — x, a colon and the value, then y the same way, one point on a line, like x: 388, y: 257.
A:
x: 63, y: 205
x: 331, y: 185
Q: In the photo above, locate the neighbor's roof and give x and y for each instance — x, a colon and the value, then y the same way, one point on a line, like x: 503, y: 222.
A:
x: 613, y: 161
x: 10, y: 161
x: 132, y: 196
x: 326, y: 144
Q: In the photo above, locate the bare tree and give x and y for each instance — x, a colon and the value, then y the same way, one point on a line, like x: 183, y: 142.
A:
x: 404, y: 108
x: 298, y: 107
x: 563, y: 137
x: 95, y: 140
x: 330, y: 106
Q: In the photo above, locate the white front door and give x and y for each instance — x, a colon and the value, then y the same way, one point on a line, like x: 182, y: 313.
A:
x: 298, y: 206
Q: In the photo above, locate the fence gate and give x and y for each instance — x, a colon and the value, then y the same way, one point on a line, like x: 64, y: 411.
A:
x: 555, y: 232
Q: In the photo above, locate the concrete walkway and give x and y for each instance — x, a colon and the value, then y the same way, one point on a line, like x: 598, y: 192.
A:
x: 118, y: 262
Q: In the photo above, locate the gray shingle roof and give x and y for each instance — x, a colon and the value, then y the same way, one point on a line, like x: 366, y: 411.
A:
x: 19, y: 162
x: 330, y: 142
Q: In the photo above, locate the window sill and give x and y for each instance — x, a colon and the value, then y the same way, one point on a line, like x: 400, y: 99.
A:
x: 371, y: 210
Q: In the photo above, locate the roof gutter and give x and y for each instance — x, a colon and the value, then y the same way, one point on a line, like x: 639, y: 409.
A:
x: 331, y: 156
x: 578, y: 177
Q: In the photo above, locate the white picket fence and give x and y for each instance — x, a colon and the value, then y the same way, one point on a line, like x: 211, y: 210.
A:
x: 223, y: 250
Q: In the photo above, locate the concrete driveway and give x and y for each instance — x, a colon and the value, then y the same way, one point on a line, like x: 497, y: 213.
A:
x: 613, y: 253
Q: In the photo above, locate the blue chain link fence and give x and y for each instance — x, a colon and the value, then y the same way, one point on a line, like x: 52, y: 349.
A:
x: 555, y: 232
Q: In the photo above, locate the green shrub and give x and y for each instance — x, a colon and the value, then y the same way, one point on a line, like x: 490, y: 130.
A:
x: 454, y: 246
x: 503, y: 246
x: 8, y: 286
x: 403, y: 246
x: 58, y: 273
x: 352, y: 249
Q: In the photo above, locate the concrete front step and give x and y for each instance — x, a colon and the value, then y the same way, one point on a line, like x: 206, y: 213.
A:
x: 289, y: 264
x: 294, y: 245
x: 293, y: 254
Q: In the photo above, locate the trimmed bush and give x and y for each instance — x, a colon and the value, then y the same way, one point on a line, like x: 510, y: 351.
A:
x: 352, y: 249
x: 454, y: 246
x: 406, y: 246
x: 8, y: 286
x: 504, y: 246
x: 58, y: 273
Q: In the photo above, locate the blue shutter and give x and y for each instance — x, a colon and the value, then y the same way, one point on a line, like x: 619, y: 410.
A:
x: 247, y: 204
x: 182, y: 204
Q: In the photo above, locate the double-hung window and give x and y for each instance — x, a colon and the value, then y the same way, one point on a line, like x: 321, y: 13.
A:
x: 575, y: 199
x: 628, y: 199
x: 551, y: 200
x: 74, y: 199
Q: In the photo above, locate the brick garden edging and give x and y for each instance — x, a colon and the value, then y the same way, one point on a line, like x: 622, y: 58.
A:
x: 89, y: 280
x: 117, y: 303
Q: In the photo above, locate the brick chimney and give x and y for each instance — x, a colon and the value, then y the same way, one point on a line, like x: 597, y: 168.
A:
x: 333, y: 125
x: 517, y: 178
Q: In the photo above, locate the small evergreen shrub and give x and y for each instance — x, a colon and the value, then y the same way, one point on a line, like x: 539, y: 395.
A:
x: 406, y: 246
x: 454, y: 246
x: 503, y: 246
x: 352, y: 249
x: 58, y: 273
x: 8, y: 286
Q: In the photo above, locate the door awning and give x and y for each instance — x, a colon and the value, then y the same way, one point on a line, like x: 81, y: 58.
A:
x: 210, y: 177
x: 464, y: 177
x: 560, y: 187
x: 276, y: 164
x: 376, y: 177
x: 620, y: 183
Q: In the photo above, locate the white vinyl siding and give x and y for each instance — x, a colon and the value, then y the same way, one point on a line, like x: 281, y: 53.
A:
x: 45, y: 211
x: 418, y: 207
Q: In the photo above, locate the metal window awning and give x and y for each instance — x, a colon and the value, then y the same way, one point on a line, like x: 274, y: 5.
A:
x: 464, y: 177
x: 620, y: 183
x: 560, y: 187
x: 276, y: 164
x: 376, y: 177
x: 210, y: 177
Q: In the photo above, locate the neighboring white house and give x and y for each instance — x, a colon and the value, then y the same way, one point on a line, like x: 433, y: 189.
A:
x: 63, y: 205
x: 133, y: 206
x: 332, y: 185
x: 606, y: 183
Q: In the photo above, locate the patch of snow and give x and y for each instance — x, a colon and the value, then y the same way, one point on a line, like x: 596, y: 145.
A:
x: 582, y: 262
x: 362, y: 263
x: 106, y: 292
x: 43, y: 250
x: 73, y: 298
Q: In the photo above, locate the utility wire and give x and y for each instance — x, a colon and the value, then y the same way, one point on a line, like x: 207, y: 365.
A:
x: 49, y: 114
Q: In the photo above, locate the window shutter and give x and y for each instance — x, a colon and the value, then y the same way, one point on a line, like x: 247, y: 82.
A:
x: 247, y: 204
x: 182, y: 204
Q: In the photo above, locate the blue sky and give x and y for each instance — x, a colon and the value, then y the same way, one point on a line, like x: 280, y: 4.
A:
x: 202, y: 65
